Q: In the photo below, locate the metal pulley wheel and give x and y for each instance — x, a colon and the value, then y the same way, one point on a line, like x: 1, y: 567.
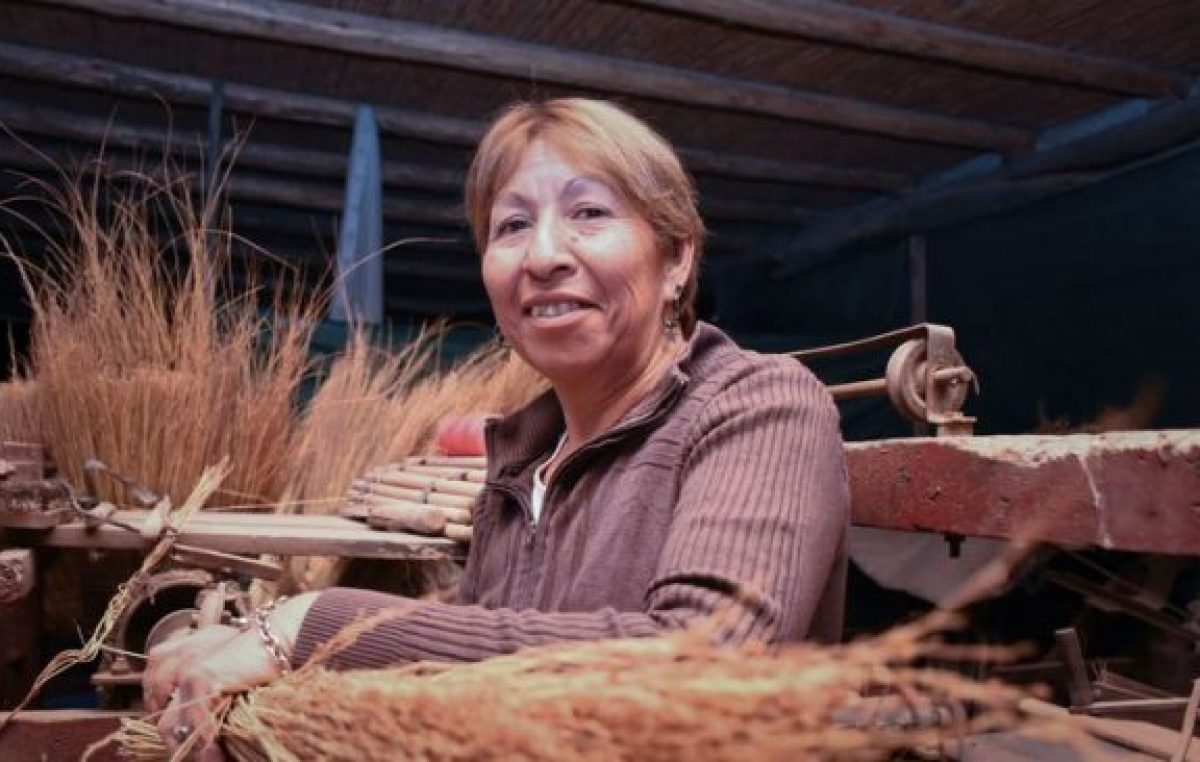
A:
x: 178, y: 622
x: 906, y: 379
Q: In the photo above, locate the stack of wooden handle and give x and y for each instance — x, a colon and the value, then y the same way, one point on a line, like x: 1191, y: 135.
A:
x: 428, y: 494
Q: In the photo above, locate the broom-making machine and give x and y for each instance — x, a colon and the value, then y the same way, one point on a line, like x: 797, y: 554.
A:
x: 1134, y: 492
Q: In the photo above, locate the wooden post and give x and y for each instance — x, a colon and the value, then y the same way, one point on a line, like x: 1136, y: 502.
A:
x: 20, y: 625
x: 918, y: 308
x: 358, y: 294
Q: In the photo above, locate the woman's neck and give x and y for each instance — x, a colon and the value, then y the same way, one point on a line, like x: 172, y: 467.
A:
x: 594, y: 406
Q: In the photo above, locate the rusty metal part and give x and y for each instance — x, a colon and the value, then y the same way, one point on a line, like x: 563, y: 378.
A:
x: 150, y: 601
x: 16, y: 574
x: 926, y: 379
x: 34, y: 503
x: 167, y: 627
x: 142, y: 495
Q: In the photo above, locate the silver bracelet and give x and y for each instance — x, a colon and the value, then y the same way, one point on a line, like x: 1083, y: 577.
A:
x: 266, y: 633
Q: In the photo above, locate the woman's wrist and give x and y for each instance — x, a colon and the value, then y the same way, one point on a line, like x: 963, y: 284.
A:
x: 278, y: 626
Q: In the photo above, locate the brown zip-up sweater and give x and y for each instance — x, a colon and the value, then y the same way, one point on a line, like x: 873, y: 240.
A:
x: 724, y: 491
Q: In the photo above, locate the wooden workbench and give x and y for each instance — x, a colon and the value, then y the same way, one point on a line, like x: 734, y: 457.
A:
x: 250, y: 533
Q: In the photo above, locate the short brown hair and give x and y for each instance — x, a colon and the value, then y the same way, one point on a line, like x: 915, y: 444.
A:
x: 600, y: 137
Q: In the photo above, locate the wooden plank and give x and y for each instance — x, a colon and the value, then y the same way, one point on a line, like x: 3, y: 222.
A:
x: 864, y: 28
x: 33, y: 63
x: 1142, y: 737
x: 280, y: 534
x: 415, y: 43
x: 1136, y: 491
x: 60, y: 734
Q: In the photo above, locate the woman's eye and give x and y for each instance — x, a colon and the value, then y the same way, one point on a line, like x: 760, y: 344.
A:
x: 591, y: 212
x: 509, y: 226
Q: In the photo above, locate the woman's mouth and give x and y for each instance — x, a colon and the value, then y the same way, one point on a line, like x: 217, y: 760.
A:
x: 554, y: 309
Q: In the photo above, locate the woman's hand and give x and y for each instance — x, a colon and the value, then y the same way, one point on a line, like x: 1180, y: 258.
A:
x: 185, y: 678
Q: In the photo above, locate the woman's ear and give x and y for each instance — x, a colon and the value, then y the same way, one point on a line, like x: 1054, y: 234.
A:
x: 678, y: 268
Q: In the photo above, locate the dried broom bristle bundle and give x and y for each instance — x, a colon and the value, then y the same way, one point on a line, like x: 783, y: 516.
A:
x: 375, y: 408
x: 141, y: 356
x: 672, y: 697
x: 18, y: 412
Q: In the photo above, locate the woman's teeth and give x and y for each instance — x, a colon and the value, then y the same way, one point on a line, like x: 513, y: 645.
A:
x: 553, y: 310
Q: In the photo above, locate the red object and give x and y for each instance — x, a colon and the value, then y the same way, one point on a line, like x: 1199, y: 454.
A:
x: 462, y: 434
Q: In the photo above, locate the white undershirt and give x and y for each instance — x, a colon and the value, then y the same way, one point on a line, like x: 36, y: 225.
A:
x: 537, y: 497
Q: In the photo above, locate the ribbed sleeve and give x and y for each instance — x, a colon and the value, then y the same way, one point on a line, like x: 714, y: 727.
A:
x: 756, y: 534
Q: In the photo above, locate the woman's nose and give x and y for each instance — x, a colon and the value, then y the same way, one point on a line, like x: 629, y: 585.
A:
x: 548, y: 252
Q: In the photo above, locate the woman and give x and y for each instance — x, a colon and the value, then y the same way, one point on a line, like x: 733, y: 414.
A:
x: 666, y: 476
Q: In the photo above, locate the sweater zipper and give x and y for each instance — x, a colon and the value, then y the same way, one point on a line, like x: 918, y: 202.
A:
x: 658, y: 411
x: 523, y: 501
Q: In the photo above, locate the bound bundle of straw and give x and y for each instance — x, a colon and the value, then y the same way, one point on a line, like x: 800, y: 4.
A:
x: 668, y: 698
x: 143, y: 357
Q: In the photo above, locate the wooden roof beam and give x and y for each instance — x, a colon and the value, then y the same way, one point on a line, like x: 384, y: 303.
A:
x: 415, y: 43
x: 40, y: 120
x: 1161, y: 132
x: 801, y: 173
x: 262, y: 189
x: 34, y: 63
x: 82, y: 71
x: 845, y: 24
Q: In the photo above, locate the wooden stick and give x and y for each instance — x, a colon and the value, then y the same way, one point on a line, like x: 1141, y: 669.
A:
x: 458, y: 532
x: 477, y: 475
x: 1189, y: 724
x: 410, y: 517
x: 457, y: 515
x: 362, y: 488
x: 425, y: 483
x: 454, y: 461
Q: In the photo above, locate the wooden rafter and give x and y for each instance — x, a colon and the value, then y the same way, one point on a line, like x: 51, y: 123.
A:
x: 268, y: 190
x: 1022, y: 180
x: 33, y: 63
x: 846, y: 24
x: 94, y: 132
x: 415, y: 43
x: 24, y: 117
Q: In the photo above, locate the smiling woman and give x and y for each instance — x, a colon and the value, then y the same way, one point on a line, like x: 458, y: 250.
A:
x: 667, y: 476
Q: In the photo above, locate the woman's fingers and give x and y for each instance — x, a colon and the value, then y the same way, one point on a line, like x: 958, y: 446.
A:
x: 199, y: 674
x: 165, y: 661
x: 190, y: 722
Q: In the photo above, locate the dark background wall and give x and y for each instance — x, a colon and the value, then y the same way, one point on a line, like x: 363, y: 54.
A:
x: 1063, y: 307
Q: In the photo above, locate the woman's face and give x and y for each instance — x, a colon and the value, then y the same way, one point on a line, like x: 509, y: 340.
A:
x: 574, y: 275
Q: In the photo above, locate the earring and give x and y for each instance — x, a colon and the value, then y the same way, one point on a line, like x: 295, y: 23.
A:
x: 671, y: 319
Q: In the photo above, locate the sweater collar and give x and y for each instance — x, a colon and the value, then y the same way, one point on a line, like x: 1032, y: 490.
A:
x: 516, y: 441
